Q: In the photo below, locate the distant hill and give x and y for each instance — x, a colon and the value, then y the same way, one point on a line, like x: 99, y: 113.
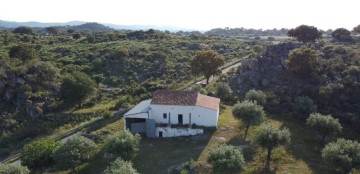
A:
x: 13, y: 24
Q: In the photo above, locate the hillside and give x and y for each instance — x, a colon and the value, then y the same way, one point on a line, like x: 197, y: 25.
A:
x: 126, y: 67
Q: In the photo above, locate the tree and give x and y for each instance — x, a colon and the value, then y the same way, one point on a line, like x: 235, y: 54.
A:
x: 223, y: 91
x: 303, y: 61
x: 305, y: 33
x: 23, y: 52
x: 357, y: 29
x: 207, y: 62
x: 123, y: 143
x: 70, y: 31
x: 342, y: 153
x: 13, y: 169
x: 269, y: 137
x: 38, y: 153
x: 76, y: 88
x: 120, y: 166
x: 341, y: 35
x: 23, y: 30
x: 74, y: 151
x: 325, y: 125
x: 304, y: 105
x: 52, y: 30
x: 256, y: 96
x: 76, y: 36
x: 46, y: 71
x: 226, y: 157
x: 249, y: 112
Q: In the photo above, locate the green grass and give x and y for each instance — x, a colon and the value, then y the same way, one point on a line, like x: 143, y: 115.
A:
x: 158, y: 155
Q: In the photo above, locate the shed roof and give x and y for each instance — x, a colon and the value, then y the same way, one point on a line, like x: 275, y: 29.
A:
x: 142, y: 107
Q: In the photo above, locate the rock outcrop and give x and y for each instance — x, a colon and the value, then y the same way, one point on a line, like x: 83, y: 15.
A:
x: 267, y: 69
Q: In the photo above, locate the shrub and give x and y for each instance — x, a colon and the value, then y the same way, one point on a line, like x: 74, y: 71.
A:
x: 74, y: 151
x: 120, y: 166
x: 226, y: 157
x: 256, y: 96
x: 123, y: 143
x: 13, y: 169
x: 303, y: 61
x: 223, y: 91
x: 304, y: 105
x: 38, y: 153
x: 342, y: 153
x: 23, y: 52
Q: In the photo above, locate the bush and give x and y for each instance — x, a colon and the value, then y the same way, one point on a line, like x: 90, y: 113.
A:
x: 226, y: 157
x: 256, y: 96
x: 223, y: 91
x: 74, y: 151
x: 303, y: 61
x: 23, y: 52
x: 39, y: 153
x: 120, y: 166
x: 304, y: 105
x: 124, y: 144
x: 342, y: 153
x: 13, y: 169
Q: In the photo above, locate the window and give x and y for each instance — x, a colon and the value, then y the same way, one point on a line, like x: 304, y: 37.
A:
x: 164, y: 115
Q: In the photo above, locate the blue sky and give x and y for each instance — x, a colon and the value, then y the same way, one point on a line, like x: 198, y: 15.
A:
x: 195, y: 14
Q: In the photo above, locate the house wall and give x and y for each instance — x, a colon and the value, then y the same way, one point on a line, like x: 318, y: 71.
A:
x: 175, y: 132
x: 199, y: 115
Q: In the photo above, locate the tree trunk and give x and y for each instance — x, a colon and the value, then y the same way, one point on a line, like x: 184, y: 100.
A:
x: 323, y: 139
x: 207, y: 80
x: 246, y: 130
x: 268, y: 158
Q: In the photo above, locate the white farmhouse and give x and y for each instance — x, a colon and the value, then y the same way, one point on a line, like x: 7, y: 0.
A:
x: 173, y: 113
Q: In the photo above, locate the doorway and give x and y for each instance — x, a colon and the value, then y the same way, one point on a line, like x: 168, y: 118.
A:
x: 180, y: 119
x: 160, y: 134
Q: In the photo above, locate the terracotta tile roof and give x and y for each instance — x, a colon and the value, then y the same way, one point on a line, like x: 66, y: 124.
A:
x: 208, y: 102
x: 184, y: 98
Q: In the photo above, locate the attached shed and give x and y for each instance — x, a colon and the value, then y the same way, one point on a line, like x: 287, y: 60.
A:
x: 135, y: 119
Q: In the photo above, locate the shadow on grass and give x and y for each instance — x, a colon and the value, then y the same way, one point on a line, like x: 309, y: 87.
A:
x: 160, y: 154
x: 304, y: 144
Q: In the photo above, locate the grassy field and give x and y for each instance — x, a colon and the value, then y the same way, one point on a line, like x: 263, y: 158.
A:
x: 157, y: 156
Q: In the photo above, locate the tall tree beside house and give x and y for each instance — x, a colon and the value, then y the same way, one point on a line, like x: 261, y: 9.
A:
x: 207, y: 63
x: 269, y: 137
x: 249, y: 112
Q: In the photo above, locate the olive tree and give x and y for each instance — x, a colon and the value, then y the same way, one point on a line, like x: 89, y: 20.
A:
x: 74, y: 151
x: 38, y: 153
x: 325, y: 125
x: 257, y: 96
x: 123, y: 143
x: 249, y: 112
x: 342, y: 153
x: 226, y: 157
x: 305, y: 33
x: 304, y: 106
x: 207, y: 63
x: 13, y: 169
x: 269, y: 137
x: 120, y: 166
